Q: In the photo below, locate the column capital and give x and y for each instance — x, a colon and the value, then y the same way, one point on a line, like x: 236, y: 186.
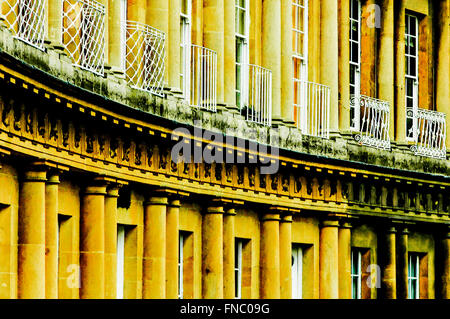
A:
x: 270, y: 216
x: 96, y: 186
x: 286, y: 217
x: 230, y: 211
x: 174, y: 202
x: 156, y: 200
x: 345, y: 224
x: 329, y: 223
x: 113, y: 190
x: 214, y: 210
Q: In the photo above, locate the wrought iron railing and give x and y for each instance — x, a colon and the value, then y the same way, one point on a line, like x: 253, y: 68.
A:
x: 373, y: 122
x: 144, y: 57
x: 203, y: 78
x: 430, y: 134
x: 312, y: 108
x: 26, y: 19
x: 257, y: 105
x: 84, y: 33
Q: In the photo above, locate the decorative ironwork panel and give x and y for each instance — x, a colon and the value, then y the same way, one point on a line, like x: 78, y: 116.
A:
x: 258, y: 107
x: 84, y: 33
x: 204, y: 78
x: 312, y: 108
x: 430, y: 134
x: 373, y: 122
x: 144, y: 58
x: 26, y: 19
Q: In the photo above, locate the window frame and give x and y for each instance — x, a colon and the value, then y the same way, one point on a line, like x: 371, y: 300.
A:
x: 242, y: 51
x: 120, y: 261
x: 356, y: 275
x: 303, y: 57
x: 238, y: 248
x: 185, y: 49
x: 297, y: 271
x: 181, y: 239
x: 123, y: 33
x: 414, y: 261
x: 355, y: 120
x: 411, y: 112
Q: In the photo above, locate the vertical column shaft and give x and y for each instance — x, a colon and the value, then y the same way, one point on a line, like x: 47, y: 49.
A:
x: 114, y: 28
x: 402, y: 265
x: 270, y: 256
x: 172, y: 235
x: 344, y: 65
x: 287, y: 74
x: 400, y: 108
x: 329, y: 260
x: 445, y: 276
x: 111, y: 242
x: 173, y: 45
x: 344, y: 239
x: 388, y: 252
x: 54, y: 22
x: 286, y: 256
x: 228, y: 254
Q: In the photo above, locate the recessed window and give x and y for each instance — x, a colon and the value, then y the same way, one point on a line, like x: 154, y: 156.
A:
x: 185, y: 48
x: 356, y: 273
x: 120, y: 260
x: 411, y: 74
x: 355, y: 62
x: 242, y: 36
x: 238, y: 244
x: 413, y: 276
x: 123, y: 33
x: 181, y: 239
x: 297, y: 272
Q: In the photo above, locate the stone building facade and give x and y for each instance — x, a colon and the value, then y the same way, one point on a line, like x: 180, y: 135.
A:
x: 224, y: 149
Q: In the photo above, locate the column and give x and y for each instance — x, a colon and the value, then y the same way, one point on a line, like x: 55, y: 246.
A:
x: 31, y: 235
x: 388, y: 263
x: 385, y: 60
x: 157, y: 15
x: 172, y: 235
x: 344, y: 253
x: 112, y: 194
x: 443, y: 64
x: 344, y: 65
x: 400, y: 111
x: 270, y: 256
x: 51, y: 235
x: 445, y: 278
x: 402, y: 265
x: 271, y: 51
x: 329, y: 260
x: 212, y: 253
x: 154, y: 272
x: 173, y: 44
x: 106, y: 35
x: 113, y: 15
x: 214, y: 38
x: 54, y: 22
x: 229, y: 71
x: 329, y: 65
x: 92, y: 240
x: 228, y: 254
x: 137, y: 10
x: 287, y: 84
x: 286, y: 256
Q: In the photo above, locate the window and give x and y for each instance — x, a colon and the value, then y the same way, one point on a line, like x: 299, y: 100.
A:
x: 355, y: 61
x: 411, y: 74
x: 185, y: 47
x: 297, y: 272
x: 123, y: 33
x: 356, y: 273
x: 413, y: 277
x: 120, y: 260
x: 238, y: 244
x: 181, y: 238
x: 242, y: 35
x: 300, y: 39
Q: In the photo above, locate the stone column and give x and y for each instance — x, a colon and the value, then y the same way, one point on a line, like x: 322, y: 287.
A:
x: 443, y: 64
x: 92, y: 240
x: 31, y: 235
x: 214, y: 38
x: 112, y: 194
x: 344, y: 65
x: 445, y: 276
x: 345, y: 262
x: 271, y: 51
x: 286, y: 256
x: 402, y: 265
x: 154, y: 272
x: 228, y: 254
x: 229, y: 70
x: 329, y: 260
x: 329, y: 64
x: 113, y: 16
x: 137, y: 10
x: 51, y: 235
x: 172, y: 235
x: 287, y: 74
x: 270, y: 256
x: 388, y: 263
x: 385, y: 61
x: 173, y: 44
x: 54, y: 23
x: 212, y: 253
x: 399, y: 63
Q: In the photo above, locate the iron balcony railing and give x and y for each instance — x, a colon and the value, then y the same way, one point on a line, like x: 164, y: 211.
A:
x: 257, y: 98
x: 84, y: 33
x: 26, y: 19
x: 144, y: 57
x: 374, y: 117
x: 312, y: 108
x: 430, y: 134
x: 203, y: 78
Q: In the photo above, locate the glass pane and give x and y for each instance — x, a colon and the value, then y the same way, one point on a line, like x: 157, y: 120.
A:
x: 184, y: 6
x: 241, y: 21
x: 355, y: 52
x: 355, y: 13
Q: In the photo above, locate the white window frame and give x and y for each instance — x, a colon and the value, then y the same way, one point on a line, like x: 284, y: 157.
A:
x: 238, y: 244
x: 123, y: 32
x: 356, y: 272
x: 302, y: 56
x: 297, y: 272
x: 413, y: 281
x: 244, y: 53
x: 185, y: 49
x: 181, y: 239
x: 120, y: 261
x: 355, y: 121
x: 411, y: 113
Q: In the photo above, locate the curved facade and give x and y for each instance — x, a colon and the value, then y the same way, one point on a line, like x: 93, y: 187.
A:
x: 224, y: 149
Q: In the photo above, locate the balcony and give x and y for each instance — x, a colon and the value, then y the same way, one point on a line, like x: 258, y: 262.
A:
x: 26, y: 19
x: 257, y: 105
x: 84, y: 33
x: 144, y: 57
x: 430, y: 134
x: 203, y: 93
x: 372, y: 117
x: 312, y: 108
